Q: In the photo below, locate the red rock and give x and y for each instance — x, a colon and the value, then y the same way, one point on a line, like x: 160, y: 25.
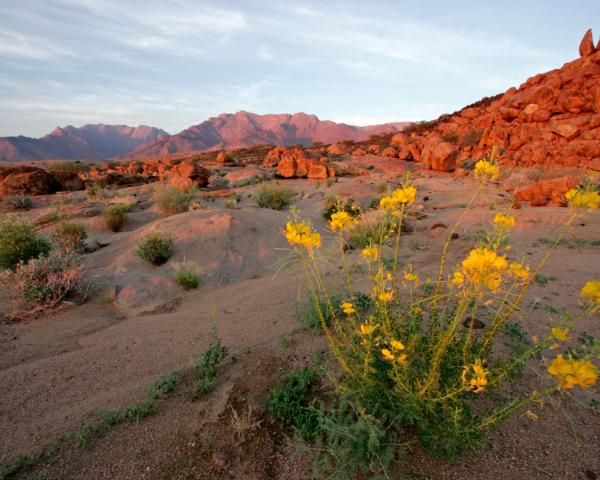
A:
x: 540, y: 193
x: 390, y: 152
x: 337, y: 149
x: 221, y: 157
x: 317, y: 172
x: 586, y: 47
x: 444, y: 157
x: 374, y: 149
x: 68, y: 181
x: 359, y: 152
x: 566, y: 130
x: 27, y: 180
x: 192, y: 171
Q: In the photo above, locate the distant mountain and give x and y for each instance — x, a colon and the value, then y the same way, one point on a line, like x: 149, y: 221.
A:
x: 90, y: 142
x: 243, y: 129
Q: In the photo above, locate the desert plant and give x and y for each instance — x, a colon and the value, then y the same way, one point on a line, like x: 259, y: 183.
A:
x: 232, y: 201
x: 46, y: 283
x: 20, y: 243
x: 471, y: 138
x: 170, y: 200
x: 187, y: 274
x: 219, y: 183
x: 155, y: 247
x: 274, y: 197
x: 289, y: 401
x: 18, y: 201
x: 243, y: 424
x: 421, y: 357
x: 206, y: 370
x: 70, y: 236
x: 66, y: 166
x: 336, y: 203
x: 114, y: 217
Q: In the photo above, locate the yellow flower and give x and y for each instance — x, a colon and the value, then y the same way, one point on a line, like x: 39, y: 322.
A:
x: 505, y: 221
x: 483, y: 268
x: 519, y: 271
x: 584, y: 199
x: 386, y: 297
x: 486, y: 170
x: 561, y: 334
x: 410, y: 276
x: 397, y: 345
x: 301, y: 234
x: 366, y: 329
x: 348, y: 308
x: 370, y: 252
x: 398, y: 198
x: 572, y: 372
x: 591, y: 292
x: 458, y: 278
x: 341, y: 221
x: 387, y: 354
x: 475, y: 377
x: 405, y: 195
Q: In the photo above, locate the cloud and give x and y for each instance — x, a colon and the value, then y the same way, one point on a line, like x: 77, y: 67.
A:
x: 13, y: 44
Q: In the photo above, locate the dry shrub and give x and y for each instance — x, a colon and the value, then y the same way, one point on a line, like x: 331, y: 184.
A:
x: 243, y: 424
x: 70, y: 236
x: 45, y: 284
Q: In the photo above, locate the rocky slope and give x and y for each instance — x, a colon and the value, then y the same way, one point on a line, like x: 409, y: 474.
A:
x: 243, y: 129
x: 551, y: 120
x: 89, y: 142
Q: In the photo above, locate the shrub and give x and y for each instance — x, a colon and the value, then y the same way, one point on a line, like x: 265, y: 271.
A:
x: 422, y: 357
x: 19, y: 243
x: 114, y: 217
x: 66, y: 166
x: 232, y: 201
x: 70, y: 236
x: 206, y: 370
x: 317, y: 312
x: 46, y: 283
x: 289, y: 402
x: 373, y: 228
x: 219, y: 183
x: 170, y: 200
x: 18, y: 201
x: 187, y: 274
x: 450, y: 137
x: 335, y: 203
x: 156, y: 247
x: 275, y: 198
x: 472, y: 138
x: 253, y: 180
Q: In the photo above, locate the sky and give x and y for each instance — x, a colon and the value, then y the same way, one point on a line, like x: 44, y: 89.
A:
x: 173, y: 64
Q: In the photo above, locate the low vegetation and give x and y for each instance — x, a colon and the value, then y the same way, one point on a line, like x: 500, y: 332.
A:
x: 274, y: 197
x: 419, y: 359
x: 170, y: 200
x: 114, y: 217
x: 70, y: 236
x: 187, y: 274
x: 156, y: 247
x: 46, y: 283
x: 19, y: 243
x: 206, y: 370
x: 16, y: 202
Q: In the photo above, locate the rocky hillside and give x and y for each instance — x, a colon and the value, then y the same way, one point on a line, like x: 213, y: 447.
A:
x: 243, y: 129
x: 551, y: 120
x: 90, y: 142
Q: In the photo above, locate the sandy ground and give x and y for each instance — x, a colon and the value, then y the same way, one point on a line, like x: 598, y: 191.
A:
x: 56, y: 372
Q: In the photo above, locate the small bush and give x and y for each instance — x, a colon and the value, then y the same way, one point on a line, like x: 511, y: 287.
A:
x: 46, y: 283
x: 114, y: 217
x: 219, y: 183
x: 274, y: 198
x: 19, y: 243
x: 187, y: 274
x: 289, y: 402
x: 156, y: 247
x: 373, y: 228
x: 66, y: 166
x: 450, y: 137
x: 253, y: 180
x: 70, y: 236
x: 335, y: 203
x: 18, y: 201
x: 232, y: 202
x: 206, y: 370
x: 313, y: 316
x: 472, y: 138
x: 171, y: 200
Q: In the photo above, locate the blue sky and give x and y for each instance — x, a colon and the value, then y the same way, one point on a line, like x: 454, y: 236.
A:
x: 174, y: 64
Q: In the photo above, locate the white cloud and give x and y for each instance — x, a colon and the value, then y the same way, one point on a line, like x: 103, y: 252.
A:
x: 15, y: 44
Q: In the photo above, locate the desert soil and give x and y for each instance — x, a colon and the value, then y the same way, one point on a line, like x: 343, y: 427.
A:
x: 58, y: 371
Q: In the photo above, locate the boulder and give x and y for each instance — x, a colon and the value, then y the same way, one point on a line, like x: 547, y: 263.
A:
x: 444, y: 157
x: 390, y: 152
x: 566, y: 130
x: 222, y: 157
x: 192, y: 171
x: 359, y: 152
x: 27, y: 180
x: 68, y: 181
x: 317, y: 172
x: 293, y: 162
x: 337, y: 149
x: 541, y: 193
x: 586, y: 47
x: 374, y: 149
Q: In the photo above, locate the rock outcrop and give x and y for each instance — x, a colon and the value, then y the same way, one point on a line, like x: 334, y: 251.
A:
x: 551, y: 120
x: 294, y: 163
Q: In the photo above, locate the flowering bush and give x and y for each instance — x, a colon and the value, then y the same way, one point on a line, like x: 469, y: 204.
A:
x: 421, y: 357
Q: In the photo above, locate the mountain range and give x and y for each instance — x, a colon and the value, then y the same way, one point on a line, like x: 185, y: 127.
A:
x: 226, y: 131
